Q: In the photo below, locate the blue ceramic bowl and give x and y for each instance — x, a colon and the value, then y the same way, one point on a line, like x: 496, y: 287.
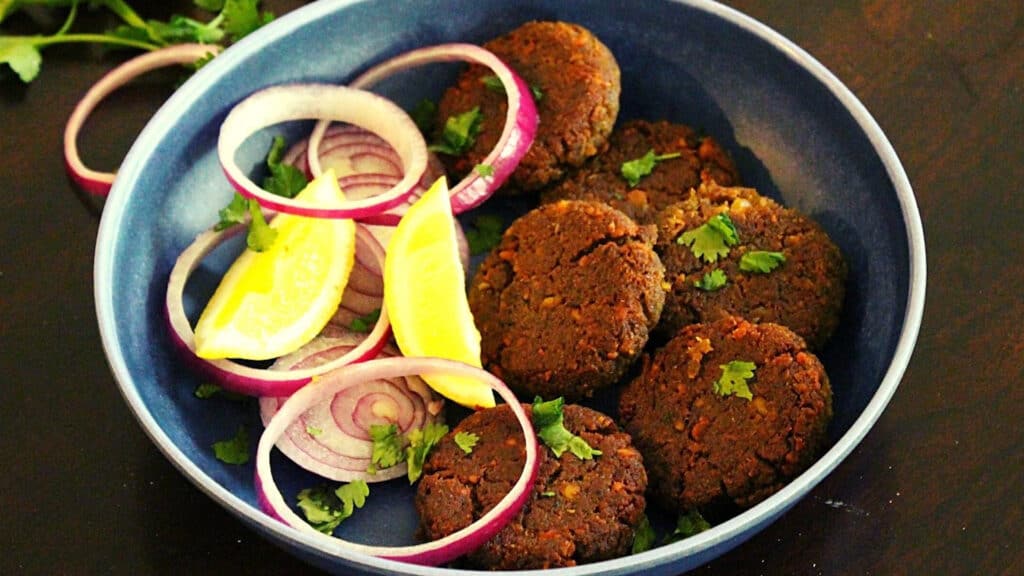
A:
x: 796, y: 132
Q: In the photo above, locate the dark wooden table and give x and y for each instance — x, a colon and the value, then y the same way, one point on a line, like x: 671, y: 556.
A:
x: 936, y: 487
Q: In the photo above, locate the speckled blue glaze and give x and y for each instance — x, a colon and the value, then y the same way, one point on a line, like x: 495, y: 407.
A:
x: 796, y: 132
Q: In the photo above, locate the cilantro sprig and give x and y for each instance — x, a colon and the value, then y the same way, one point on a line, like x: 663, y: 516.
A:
x: 234, y: 450
x: 233, y: 20
x: 325, y: 509
x: 735, y: 379
x: 548, y: 421
x: 466, y: 441
x: 635, y: 169
x: 485, y: 233
x: 421, y: 441
x: 761, y: 261
x: 711, y: 240
x: 460, y: 132
x: 494, y: 84
x: 713, y: 280
x: 390, y: 447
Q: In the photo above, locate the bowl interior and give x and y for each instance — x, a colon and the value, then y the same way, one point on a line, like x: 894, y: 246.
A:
x: 796, y: 134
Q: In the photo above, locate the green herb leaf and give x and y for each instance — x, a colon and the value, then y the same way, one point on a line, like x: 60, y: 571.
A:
x: 233, y: 450
x: 485, y: 234
x: 711, y: 240
x: 548, y: 421
x: 421, y: 440
x: 734, y: 379
x: 284, y: 180
x: 22, y: 56
x: 206, y: 390
x: 547, y: 494
x: 261, y: 236
x: 423, y: 115
x: 460, y: 132
x: 687, y: 525
x: 242, y: 17
x: 210, y: 5
x: 484, y: 170
x: 635, y: 169
x: 313, y: 431
x: 761, y: 261
x: 325, y: 509
x: 493, y: 83
x: 234, y: 213
x: 644, y: 536
x: 388, y: 446
x: 712, y: 281
x: 466, y: 441
x: 365, y: 322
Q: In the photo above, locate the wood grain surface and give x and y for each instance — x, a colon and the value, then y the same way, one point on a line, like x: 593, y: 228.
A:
x: 935, y: 488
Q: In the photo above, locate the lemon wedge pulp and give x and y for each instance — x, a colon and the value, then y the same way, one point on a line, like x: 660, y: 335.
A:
x: 272, y: 302
x: 425, y: 295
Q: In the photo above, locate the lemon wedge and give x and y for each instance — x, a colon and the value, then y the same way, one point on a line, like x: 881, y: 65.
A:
x: 425, y: 295
x: 272, y: 302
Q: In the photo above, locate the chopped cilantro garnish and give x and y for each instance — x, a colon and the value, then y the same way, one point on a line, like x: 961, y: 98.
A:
x: 206, y: 390
x: 365, y: 322
x: 423, y: 115
x: 466, y: 441
x: 234, y: 213
x: 711, y: 240
x: 261, y: 235
x: 688, y: 524
x: 459, y: 133
x: 712, y: 280
x: 233, y: 450
x: 761, y: 261
x: 421, y: 440
x: 637, y: 168
x: 325, y: 509
x: 547, y: 419
x: 314, y: 431
x: 643, y: 536
x: 493, y: 83
x: 284, y: 180
x: 485, y: 233
x: 547, y: 494
x: 484, y: 170
x: 734, y: 379
x: 388, y: 447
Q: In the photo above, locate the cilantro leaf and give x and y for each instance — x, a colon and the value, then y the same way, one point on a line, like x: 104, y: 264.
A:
x: 233, y: 450
x: 484, y: 170
x: 423, y: 115
x: 284, y: 180
x: 761, y: 261
x: 635, y: 169
x: 494, y: 84
x: 326, y: 509
x: 460, y: 132
x: 210, y: 5
x: 643, y: 536
x: 234, y: 213
x: 466, y: 441
x: 548, y: 420
x: 261, y: 236
x: 387, y: 446
x: 485, y: 234
x: 421, y: 440
x: 206, y: 390
x: 712, y: 281
x: 711, y: 240
x: 241, y: 17
x: 688, y: 524
x: 314, y: 431
x: 734, y: 379
x: 365, y: 322
x: 23, y: 57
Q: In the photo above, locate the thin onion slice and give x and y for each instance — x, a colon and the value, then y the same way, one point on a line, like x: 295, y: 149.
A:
x: 331, y: 438
x: 247, y: 379
x: 516, y: 137
x: 430, y: 553
x: 286, y: 103
x: 93, y: 181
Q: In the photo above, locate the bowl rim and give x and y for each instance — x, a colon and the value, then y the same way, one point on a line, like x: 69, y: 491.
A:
x: 735, y: 529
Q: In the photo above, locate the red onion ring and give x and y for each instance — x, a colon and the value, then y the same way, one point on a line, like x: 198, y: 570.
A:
x: 429, y: 553
x: 516, y: 137
x: 246, y: 379
x: 93, y: 181
x: 285, y: 103
x: 342, y: 449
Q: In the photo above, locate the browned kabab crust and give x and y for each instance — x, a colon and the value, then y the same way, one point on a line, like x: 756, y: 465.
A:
x: 704, y: 449
x: 804, y: 293
x: 566, y: 301
x: 580, y: 510
x: 580, y: 84
x: 701, y: 159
